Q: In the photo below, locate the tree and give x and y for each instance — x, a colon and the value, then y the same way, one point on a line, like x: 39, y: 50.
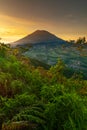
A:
x: 81, y: 40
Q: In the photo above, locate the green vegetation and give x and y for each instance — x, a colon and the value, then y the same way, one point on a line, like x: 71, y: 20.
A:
x: 35, y: 98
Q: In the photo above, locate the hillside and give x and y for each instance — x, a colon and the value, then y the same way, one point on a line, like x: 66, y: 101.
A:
x: 34, y: 98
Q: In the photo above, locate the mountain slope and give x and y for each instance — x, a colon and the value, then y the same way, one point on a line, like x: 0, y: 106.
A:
x: 72, y: 57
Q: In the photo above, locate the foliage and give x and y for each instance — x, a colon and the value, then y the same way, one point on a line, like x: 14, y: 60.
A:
x: 36, y: 98
x: 66, y: 112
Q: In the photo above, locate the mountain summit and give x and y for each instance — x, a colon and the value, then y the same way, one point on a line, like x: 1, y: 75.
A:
x: 39, y: 36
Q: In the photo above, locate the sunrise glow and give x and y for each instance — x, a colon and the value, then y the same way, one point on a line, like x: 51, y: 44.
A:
x: 26, y: 17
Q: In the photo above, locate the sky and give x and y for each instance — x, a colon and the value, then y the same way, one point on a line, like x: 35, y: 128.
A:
x: 66, y: 19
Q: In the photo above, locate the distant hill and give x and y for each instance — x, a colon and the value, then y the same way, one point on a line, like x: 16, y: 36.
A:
x: 43, y: 48
x: 39, y: 36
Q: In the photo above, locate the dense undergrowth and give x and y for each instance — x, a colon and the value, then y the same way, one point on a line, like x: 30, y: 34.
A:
x: 36, y: 98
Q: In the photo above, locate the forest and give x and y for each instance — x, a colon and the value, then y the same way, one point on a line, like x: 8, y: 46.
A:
x: 36, y: 98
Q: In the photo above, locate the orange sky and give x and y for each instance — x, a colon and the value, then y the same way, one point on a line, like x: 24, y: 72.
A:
x: 12, y: 29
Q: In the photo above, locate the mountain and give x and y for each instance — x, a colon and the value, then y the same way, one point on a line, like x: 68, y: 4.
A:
x: 39, y: 36
x: 42, y: 47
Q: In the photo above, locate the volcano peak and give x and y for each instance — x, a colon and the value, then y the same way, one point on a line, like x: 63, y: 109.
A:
x: 39, y: 36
